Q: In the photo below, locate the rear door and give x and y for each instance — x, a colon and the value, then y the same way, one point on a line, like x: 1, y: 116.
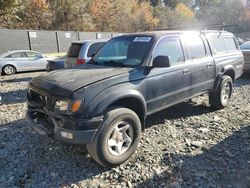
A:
x: 201, y: 64
x: 19, y: 60
x: 73, y: 54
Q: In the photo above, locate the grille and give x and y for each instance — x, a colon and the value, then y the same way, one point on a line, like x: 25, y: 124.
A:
x: 37, y: 98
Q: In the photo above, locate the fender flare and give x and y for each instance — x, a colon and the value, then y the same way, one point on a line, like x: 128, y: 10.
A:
x: 221, y: 74
x: 99, y: 105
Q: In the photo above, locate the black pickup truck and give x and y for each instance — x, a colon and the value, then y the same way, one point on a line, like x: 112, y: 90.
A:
x: 104, y: 103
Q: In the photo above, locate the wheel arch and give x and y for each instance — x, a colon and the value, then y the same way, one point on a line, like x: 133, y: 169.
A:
x: 226, y: 71
x: 134, y: 104
x: 231, y: 73
x: 133, y: 100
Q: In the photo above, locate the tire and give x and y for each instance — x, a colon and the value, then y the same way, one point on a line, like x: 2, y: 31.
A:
x: 221, y: 97
x: 9, y: 70
x: 111, y: 145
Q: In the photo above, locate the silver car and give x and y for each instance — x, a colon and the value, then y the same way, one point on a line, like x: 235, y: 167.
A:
x: 21, y: 60
x: 245, y: 48
x: 80, y: 52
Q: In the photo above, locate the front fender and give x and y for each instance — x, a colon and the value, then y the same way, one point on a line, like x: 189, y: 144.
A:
x: 105, y: 99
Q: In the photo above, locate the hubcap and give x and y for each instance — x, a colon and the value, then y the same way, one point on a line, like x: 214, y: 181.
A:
x: 8, y: 70
x: 121, y: 138
x: 225, y: 93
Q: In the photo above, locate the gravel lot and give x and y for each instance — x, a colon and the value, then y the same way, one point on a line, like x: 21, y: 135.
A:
x: 188, y: 145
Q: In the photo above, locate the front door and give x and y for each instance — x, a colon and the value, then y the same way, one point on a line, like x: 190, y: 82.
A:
x: 36, y: 61
x: 169, y: 85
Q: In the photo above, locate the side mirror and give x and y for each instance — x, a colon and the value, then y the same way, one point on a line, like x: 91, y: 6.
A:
x: 92, y: 55
x: 161, y: 61
x: 41, y: 56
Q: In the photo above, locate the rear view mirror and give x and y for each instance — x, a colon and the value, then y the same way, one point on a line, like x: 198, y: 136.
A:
x: 161, y: 61
x: 92, y: 55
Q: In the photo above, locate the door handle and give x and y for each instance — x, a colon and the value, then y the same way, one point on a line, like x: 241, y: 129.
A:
x: 185, y: 71
x: 209, y: 65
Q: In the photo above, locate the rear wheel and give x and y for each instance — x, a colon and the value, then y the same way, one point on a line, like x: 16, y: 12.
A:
x: 9, y: 70
x: 117, y: 138
x: 220, y: 98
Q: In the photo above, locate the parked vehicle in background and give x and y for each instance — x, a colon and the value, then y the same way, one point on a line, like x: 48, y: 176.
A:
x: 57, y: 63
x: 21, y: 60
x: 245, y: 48
x: 240, y: 40
x: 80, y: 52
x: 105, y: 102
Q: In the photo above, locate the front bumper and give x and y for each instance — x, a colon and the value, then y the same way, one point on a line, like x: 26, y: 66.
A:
x: 48, y: 126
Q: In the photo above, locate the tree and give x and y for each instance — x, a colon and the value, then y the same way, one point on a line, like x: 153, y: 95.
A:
x: 155, y: 3
x: 123, y: 15
x: 162, y: 13
x: 143, y: 18
x: 7, y: 12
x: 103, y: 14
x: 246, y: 19
x: 30, y: 13
x: 171, y: 3
x: 180, y: 16
x: 229, y: 12
x: 71, y: 15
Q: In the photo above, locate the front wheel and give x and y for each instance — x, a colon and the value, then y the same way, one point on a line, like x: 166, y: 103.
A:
x: 221, y: 97
x: 117, y: 138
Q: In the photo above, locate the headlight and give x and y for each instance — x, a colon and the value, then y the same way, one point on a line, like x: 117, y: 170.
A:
x: 68, y: 106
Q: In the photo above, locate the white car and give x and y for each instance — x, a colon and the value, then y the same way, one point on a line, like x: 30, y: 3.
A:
x: 21, y: 60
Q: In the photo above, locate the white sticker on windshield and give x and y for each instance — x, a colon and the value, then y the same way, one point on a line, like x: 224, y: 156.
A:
x: 142, y: 39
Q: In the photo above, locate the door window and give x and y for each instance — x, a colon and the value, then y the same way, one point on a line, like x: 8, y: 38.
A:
x: 172, y: 48
x: 196, y: 47
x: 230, y: 44
x: 32, y: 55
x: 17, y: 55
x: 218, y: 44
x: 95, y: 48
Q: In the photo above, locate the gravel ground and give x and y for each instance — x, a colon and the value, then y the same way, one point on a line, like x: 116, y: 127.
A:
x: 188, y: 145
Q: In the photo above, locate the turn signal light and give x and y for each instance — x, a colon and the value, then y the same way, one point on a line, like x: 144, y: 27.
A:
x: 76, y: 105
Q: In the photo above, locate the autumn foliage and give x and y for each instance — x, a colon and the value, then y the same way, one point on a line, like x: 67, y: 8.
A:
x: 118, y: 15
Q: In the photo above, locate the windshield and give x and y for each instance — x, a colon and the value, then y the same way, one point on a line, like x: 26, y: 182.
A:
x: 123, y: 51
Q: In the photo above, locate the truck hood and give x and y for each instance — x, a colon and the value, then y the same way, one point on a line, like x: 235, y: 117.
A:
x: 69, y: 80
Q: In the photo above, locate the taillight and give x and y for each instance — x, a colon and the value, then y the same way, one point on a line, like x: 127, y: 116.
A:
x: 80, y: 61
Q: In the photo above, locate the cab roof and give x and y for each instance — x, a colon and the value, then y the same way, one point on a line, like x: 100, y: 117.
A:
x: 159, y: 34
